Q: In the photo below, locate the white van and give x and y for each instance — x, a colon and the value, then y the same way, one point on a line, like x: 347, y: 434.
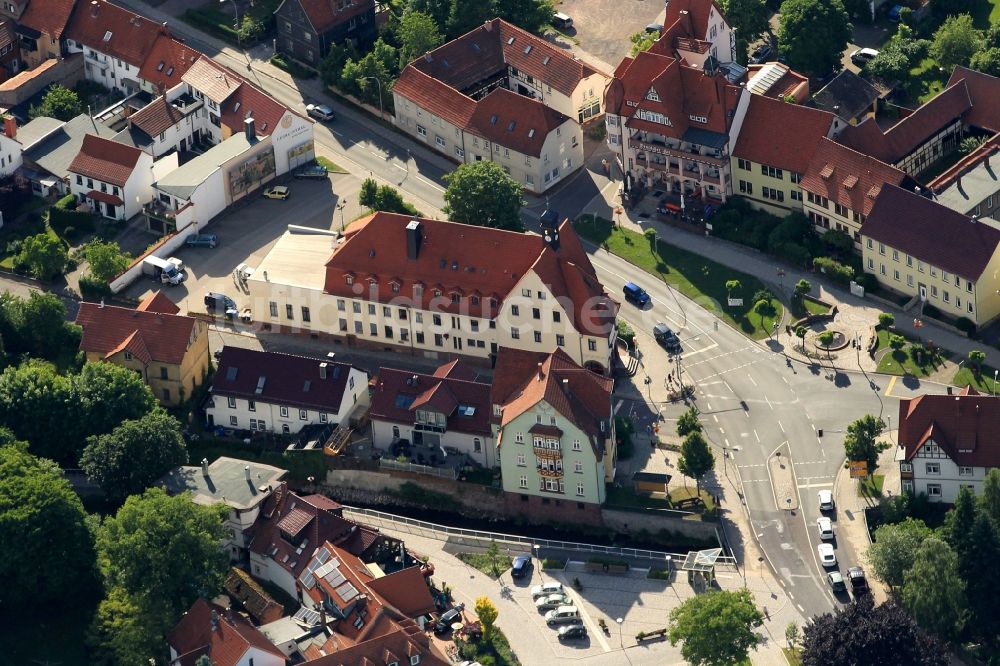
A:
x: 169, y: 271
x: 562, y: 21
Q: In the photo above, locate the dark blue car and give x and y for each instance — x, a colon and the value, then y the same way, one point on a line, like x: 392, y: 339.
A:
x: 521, y: 567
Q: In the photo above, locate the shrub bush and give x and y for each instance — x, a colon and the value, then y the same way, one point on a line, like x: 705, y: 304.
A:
x: 292, y: 67
x: 835, y: 270
x: 91, y: 287
x: 63, y: 219
x: 68, y: 202
x: 868, y: 282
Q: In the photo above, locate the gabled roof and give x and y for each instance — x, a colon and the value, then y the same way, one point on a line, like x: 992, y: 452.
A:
x: 106, y: 328
x: 406, y: 590
x: 167, y: 62
x: 48, y: 17
x: 847, y: 177
x: 523, y: 379
x: 984, y: 91
x: 435, y: 96
x: 158, y: 302
x: 697, y: 17
x: 482, y: 262
x: 912, y: 131
x: 248, y: 592
x: 283, y: 379
x: 207, y: 629
x: 326, y: 14
x: 801, y: 130
x: 114, y: 31
x: 966, y: 426
x: 848, y: 96
x: 399, y: 393
x: 457, y: 369
x: 105, y: 160
x: 515, y: 121
x: 156, y: 117
x: 918, y: 226
x: 213, y: 80
x: 58, y: 149
x: 250, y: 102
x: 37, y: 129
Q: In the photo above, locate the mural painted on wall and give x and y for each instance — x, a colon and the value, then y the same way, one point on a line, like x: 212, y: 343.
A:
x: 250, y: 173
x: 301, y: 154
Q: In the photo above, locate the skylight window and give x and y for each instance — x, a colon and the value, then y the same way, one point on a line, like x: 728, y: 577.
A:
x: 546, y: 60
x: 159, y: 67
x: 527, y: 49
x: 170, y: 72
x: 107, y: 36
x: 510, y: 125
x: 531, y: 132
x: 510, y: 41
x: 493, y: 120
x: 236, y: 107
x: 466, y: 410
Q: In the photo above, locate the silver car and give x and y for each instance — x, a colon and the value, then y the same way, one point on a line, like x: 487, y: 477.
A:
x: 562, y: 615
x: 552, y: 601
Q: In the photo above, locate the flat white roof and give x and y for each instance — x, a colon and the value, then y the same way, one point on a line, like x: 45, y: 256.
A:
x: 298, y: 260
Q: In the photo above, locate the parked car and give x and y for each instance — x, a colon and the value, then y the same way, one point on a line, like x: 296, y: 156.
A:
x: 168, y: 271
x: 859, y: 584
x: 667, y: 338
x: 310, y: 171
x: 827, y: 557
x: 202, y: 240
x: 276, y: 192
x: 825, y: 526
x: 761, y: 54
x: 217, y: 301
x: 562, y: 21
x: 635, y: 294
x: 572, y: 631
x: 836, y: 581
x: 562, y: 615
x: 553, y: 601
x: 826, y: 500
x: 320, y: 112
x: 448, y: 618
x: 654, y: 28
x: 545, y: 589
x: 521, y: 566
x: 861, y: 57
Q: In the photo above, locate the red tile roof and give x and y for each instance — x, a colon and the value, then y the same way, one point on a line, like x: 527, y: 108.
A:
x: 105, y: 197
x: 916, y: 225
x: 966, y: 426
x: 457, y: 369
x: 114, y: 31
x: 984, y: 91
x: 325, y: 14
x: 105, y: 160
x: 167, y: 62
x: 697, y: 17
x: 523, y: 379
x: 397, y: 645
x: 847, y: 177
x: 480, y: 262
x: 514, y: 121
x: 289, y: 380
x: 158, y: 302
x: 406, y: 590
x: 109, y: 328
x: 801, y: 129
x: 48, y: 16
x: 397, y: 397
x: 156, y: 117
x: 225, y: 637
x: 250, y: 102
x: 912, y: 131
x: 212, y: 79
x: 435, y: 97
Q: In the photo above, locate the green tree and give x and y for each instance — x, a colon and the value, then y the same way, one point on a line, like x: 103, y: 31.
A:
x: 749, y: 18
x: 417, y: 34
x: 204, y: 660
x: 886, y: 320
x: 716, y: 628
x: 641, y: 41
x: 733, y: 286
x: 465, y: 15
x: 838, y: 240
x: 162, y: 552
x: 121, y: 633
x: 802, y: 287
x: 49, y: 550
x: 437, y: 9
x: 106, y: 259
x: 108, y: 394
x: 331, y: 68
x: 480, y: 193
x: 978, y: 567
x: 895, y: 547
x: 531, y: 15
x: 131, y: 457
x: 800, y: 333
x: 861, y: 441
x: 32, y: 398
x: 955, y: 42
x: 763, y: 308
x: 487, y: 614
x: 896, y: 341
x: 976, y: 358
x: 688, y: 422
x: 933, y: 592
x: 60, y: 103
x: 44, y: 255
x: 250, y: 29
x: 37, y: 326
x: 813, y: 34
x: 989, y: 500
x: 826, y: 340
x: 371, y: 77
x: 368, y: 195
x: 792, y: 635
x: 696, y: 458
x: 493, y: 552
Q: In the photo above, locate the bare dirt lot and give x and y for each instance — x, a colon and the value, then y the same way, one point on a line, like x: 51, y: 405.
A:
x: 603, y: 26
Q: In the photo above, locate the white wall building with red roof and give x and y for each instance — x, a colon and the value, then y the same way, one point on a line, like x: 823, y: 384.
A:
x: 115, y: 180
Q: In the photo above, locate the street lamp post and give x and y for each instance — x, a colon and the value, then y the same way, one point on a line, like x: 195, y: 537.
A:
x: 340, y: 207
x: 239, y: 42
x: 381, y: 113
x: 621, y: 641
x: 536, y: 547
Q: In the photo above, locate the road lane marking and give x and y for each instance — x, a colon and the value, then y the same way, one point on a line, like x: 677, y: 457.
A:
x: 768, y: 402
x: 827, y: 484
x: 888, y: 390
x: 752, y: 380
x: 799, y: 606
x: 593, y: 627
x: 782, y: 427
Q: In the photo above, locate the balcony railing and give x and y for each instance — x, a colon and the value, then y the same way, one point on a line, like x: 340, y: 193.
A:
x: 550, y: 473
x: 715, y: 157
x: 158, y: 210
x: 548, y: 454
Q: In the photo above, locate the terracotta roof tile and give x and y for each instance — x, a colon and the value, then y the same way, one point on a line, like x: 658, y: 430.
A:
x: 801, y: 130
x: 514, y: 121
x: 984, y: 91
x: 324, y: 14
x: 107, y: 328
x: 167, y: 62
x: 397, y: 396
x: 406, y: 590
x: 226, y: 639
x: 114, y: 31
x: 158, y: 302
x: 916, y: 225
x: 847, y: 177
x: 211, y: 79
x: 105, y: 160
x: 48, y: 16
x: 435, y: 97
x: 106, y: 197
x: 965, y: 426
x: 698, y: 12
x: 250, y: 102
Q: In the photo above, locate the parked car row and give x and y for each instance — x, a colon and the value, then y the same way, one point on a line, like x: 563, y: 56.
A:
x: 560, y: 611
x: 828, y: 555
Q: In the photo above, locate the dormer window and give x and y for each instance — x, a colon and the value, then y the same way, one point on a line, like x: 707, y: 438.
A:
x: 373, y: 281
x: 350, y: 279
x: 475, y: 300
x: 437, y: 293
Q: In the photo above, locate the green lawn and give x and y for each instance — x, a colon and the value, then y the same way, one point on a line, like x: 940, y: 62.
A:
x: 871, y: 486
x: 628, y: 498
x: 793, y: 655
x: 332, y: 167
x: 902, y: 363
x: 983, y: 382
x: 802, y: 307
x: 698, y: 278
x: 482, y: 562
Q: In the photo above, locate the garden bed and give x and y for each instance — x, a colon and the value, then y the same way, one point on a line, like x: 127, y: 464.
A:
x: 483, y: 563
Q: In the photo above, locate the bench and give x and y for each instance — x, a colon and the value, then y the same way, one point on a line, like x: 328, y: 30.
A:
x: 689, y: 501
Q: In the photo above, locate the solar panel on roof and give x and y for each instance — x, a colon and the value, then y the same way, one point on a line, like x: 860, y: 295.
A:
x: 346, y: 591
x: 308, y: 580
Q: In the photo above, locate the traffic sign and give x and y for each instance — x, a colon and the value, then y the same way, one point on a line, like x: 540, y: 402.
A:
x: 859, y: 469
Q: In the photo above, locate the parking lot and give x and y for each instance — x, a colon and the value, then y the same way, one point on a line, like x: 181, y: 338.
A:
x: 602, y: 27
x: 247, y: 233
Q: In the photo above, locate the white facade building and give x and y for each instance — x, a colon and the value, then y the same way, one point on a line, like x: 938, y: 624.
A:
x: 114, y: 179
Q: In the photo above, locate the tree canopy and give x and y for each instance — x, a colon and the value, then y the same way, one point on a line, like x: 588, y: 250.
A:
x: 44, y: 255
x: 861, y: 442
x: 106, y: 259
x: 862, y: 633
x: 60, y: 103
x: 417, y: 33
x: 716, y: 628
x: 464, y: 15
x: 933, y: 591
x: 749, y: 18
x: 50, y: 549
x: 955, y: 42
x: 895, y: 547
x: 37, y: 326
x: 987, y: 61
x: 696, y: 458
x: 531, y: 15
x: 481, y: 194
x: 813, y: 34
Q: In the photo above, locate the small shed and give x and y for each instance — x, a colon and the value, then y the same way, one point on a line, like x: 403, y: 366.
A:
x: 646, y: 483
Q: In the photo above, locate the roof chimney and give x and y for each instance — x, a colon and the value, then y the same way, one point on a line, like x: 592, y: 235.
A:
x: 251, y: 132
x: 541, y: 375
x: 215, y: 614
x: 95, y: 8
x: 413, y: 239
x: 246, y: 471
x: 322, y: 370
x: 10, y: 126
x: 204, y: 466
x: 102, y: 303
x: 974, y: 218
